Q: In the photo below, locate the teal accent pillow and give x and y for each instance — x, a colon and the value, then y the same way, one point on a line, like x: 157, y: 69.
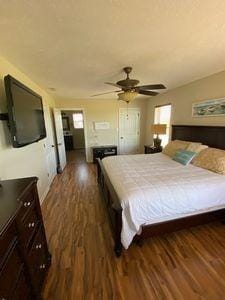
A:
x: 184, y: 157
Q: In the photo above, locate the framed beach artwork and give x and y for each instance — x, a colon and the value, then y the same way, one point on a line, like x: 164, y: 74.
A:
x: 207, y: 108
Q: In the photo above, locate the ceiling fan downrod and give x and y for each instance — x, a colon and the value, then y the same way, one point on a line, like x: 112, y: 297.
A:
x: 127, y: 70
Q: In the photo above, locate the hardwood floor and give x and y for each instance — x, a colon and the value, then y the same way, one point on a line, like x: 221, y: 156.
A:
x: 189, y: 264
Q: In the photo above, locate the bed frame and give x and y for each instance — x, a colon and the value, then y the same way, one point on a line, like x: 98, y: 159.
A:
x: 213, y: 136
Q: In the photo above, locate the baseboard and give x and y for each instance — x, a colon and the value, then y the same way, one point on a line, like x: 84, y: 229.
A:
x: 42, y: 198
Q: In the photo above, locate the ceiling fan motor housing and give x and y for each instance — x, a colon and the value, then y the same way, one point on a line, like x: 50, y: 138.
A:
x: 128, y: 83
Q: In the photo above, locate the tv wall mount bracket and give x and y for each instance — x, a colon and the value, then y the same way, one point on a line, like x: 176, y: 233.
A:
x: 4, y: 117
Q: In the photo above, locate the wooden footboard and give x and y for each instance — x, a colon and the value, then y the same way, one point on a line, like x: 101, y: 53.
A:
x: 113, y: 206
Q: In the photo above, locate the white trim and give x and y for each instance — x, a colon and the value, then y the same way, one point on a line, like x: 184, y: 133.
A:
x: 43, y: 196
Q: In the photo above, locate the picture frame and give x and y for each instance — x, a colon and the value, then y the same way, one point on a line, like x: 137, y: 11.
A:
x: 101, y: 125
x: 209, y: 108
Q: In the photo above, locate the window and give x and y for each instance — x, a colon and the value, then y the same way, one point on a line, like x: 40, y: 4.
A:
x: 78, y: 121
x: 162, y: 116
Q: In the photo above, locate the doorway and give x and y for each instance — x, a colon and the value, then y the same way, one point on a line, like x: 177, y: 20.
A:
x: 129, y: 130
x: 70, y: 133
x: 73, y: 126
x: 73, y: 129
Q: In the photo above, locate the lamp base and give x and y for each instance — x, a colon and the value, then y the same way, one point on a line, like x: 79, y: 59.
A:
x: 157, y: 142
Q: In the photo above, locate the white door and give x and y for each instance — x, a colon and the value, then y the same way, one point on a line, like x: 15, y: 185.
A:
x: 60, y: 140
x: 129, y: 130
x: 50, y: 152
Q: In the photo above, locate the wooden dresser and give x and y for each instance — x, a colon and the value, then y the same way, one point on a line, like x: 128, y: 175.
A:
x: 24, y: 255
x: 103, y: 151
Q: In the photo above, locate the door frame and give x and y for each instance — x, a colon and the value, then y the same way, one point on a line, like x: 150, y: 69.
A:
x: 49, y: 117
x: 119, y: 125
x: 85, y: 125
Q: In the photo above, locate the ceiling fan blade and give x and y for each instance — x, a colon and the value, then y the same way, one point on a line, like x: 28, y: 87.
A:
x: 152, y: 87
x: 113, y: 84
x: 105, y: 93
x: 148, y: 93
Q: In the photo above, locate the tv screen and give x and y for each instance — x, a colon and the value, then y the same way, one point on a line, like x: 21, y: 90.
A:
x: 25, y: 110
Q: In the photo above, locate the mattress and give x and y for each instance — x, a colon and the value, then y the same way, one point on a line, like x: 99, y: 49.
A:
x: 154, y: 188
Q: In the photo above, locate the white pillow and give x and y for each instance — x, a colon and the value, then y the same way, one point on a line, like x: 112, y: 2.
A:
x: 196, y: 147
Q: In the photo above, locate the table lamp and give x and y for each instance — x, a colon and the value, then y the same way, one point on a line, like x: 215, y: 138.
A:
x: 158, y: 129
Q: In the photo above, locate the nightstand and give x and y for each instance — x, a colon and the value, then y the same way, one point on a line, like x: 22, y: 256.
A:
x: 151, y: 149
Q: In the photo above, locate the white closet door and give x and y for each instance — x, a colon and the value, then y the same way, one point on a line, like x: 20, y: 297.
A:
x: 129, y: 130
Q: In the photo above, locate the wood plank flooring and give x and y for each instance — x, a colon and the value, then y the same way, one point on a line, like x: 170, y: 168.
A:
x: 189, y: 264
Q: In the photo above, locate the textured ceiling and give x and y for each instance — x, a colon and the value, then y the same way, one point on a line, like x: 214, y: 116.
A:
x: 75, y: 46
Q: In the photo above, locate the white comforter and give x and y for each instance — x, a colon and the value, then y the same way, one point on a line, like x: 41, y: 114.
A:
x: 153, y: 188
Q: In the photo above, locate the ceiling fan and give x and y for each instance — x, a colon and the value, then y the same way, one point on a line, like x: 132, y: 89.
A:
x: 129, y: 88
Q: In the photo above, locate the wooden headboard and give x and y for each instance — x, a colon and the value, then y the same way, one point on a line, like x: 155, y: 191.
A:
x: 213, y: 136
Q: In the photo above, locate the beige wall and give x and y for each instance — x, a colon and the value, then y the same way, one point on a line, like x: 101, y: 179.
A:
x: 78, y: 133
x: 182, y: 98
x: 103, y: 110
x: 29, y: 160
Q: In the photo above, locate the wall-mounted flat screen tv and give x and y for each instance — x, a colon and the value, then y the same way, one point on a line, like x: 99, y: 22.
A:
x: 25, y: 111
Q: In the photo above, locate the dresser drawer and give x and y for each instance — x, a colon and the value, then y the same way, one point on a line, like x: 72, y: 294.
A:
x: 27, y: 201
x: 9, y: 273
x: 40, y: 272
x: 7, y: 239
x: 28, y: 227
x: 22, y: 290
x: 110, y: 151
x: 38, y: 258
x: 38, y: 250
x: 98, y: 153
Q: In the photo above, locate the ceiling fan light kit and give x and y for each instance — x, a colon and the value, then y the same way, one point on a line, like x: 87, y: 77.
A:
x: 127, y: 96
x: 130, y: 89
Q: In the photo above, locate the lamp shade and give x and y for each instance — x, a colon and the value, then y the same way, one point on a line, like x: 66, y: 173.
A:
x: 159, y: 128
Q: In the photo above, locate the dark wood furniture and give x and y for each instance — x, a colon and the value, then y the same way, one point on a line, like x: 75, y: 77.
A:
x: 103, y: 151
x: 24, y: 255
x: 68, y: 139
x: 151, y: 149
x: 213, y: 136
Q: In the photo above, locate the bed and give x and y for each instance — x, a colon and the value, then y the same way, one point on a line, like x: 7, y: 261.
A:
x: 158, y: 195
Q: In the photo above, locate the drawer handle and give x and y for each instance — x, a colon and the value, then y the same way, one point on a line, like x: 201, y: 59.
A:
x: 42, y: 266
x: 38, y: 246
x: 26, y: 204
x: 31, y: 224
